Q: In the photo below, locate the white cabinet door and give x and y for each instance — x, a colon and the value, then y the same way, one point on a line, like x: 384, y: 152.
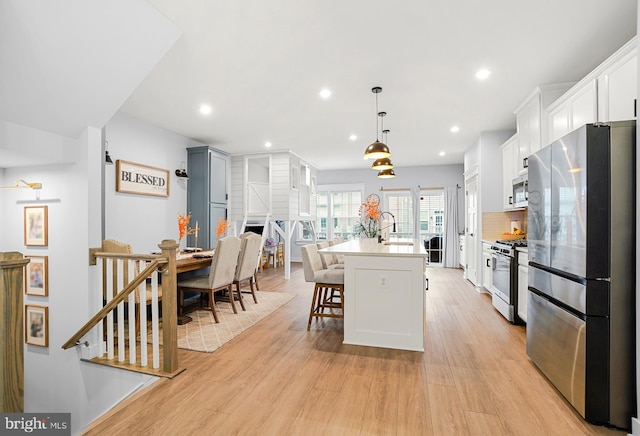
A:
x: 472, y: 247
x: 617, y: 89
x: 486, y: 268
x: 462, y: 259
x: 528, y: 121
x: 509, y: 156
x: 584, y: 106
x: 558, y: 122
x: 523, y: 278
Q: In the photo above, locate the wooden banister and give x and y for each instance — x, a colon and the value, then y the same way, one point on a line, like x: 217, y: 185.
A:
x: 120, y: 297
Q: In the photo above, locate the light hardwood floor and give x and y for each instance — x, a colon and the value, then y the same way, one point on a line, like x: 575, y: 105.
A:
x: 474, y: 378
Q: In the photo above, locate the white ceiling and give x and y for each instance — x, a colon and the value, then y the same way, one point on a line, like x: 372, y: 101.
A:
x: 260, y: 65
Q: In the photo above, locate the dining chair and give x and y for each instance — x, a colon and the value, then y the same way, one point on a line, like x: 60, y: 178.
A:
x: 117, y: 247
x: 220, y: 277
x: 280, y: 254
x: 251, y: 244
x: 326, y: 280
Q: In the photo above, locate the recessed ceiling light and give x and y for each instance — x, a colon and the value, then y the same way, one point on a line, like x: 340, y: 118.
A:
x: 325, y: 93
x: 205, y: 109
x: 483, y: 74
x: 267, y: 144
x: 442, y: 153
x: 454, y: 129
x: 353, y: 137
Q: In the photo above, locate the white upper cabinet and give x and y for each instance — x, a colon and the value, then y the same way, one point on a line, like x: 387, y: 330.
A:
x: 531, y: 125
x: 617, y: 85
x: 608, y: 93
x: 509, y: 170
x: 576, y: 107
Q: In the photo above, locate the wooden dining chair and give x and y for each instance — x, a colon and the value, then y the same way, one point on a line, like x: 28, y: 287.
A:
x: 220, y: 277
x: 280, y: 254
x: 113, y: 246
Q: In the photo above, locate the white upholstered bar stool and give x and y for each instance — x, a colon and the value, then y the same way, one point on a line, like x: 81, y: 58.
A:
x: 329, y: 261
x: 326, y: 280
x: 335, y: 241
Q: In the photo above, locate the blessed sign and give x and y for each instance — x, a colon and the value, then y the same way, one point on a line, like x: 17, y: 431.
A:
x: 141, y: 179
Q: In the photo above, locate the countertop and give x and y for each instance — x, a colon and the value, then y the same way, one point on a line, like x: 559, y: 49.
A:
x: 371, y: 247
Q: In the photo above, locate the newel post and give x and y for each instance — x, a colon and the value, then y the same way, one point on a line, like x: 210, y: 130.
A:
x: 12, y: 333
x: 169, y: 307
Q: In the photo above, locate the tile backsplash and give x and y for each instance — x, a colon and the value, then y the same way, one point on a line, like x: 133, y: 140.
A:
x: 496, y: 223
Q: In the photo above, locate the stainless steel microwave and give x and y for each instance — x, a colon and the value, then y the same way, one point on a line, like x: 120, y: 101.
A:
x: 520, y: 191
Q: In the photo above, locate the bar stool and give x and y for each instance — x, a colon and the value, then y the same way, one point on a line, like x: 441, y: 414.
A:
x: 326, y: 281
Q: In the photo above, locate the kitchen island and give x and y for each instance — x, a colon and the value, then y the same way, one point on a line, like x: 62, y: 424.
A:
x: 384, y: 293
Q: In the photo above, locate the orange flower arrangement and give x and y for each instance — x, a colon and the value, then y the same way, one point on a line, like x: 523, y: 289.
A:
x: 369, y: 215
x: 183, y: 226
x: 222, y: 227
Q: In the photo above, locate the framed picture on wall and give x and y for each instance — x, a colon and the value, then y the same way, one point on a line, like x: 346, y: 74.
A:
x: 37, y: 276
x: 135, y: 178
x: 36, y: 325
x: 36, y: 222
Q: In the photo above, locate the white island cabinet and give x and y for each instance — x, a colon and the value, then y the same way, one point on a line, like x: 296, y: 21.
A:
x: 384, y: 293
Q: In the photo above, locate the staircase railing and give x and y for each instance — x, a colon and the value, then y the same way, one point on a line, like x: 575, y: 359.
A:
x: 133, y: 279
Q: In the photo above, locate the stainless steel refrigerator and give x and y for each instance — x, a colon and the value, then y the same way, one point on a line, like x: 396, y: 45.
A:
x: 581, y: 304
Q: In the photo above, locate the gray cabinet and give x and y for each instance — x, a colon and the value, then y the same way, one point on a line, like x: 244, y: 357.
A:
x: 206, y: 193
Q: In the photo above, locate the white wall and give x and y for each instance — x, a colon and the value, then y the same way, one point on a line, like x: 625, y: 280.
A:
x: 141, y: 220
x: 406, y: 177
x: 55, y: 379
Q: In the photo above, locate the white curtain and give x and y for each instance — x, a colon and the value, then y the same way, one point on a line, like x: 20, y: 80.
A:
x: 415, y: 199
x: 451, y: 227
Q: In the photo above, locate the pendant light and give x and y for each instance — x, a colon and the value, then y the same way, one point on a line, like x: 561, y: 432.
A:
x: 377, y: 149
x: 386, y: 172
x: 382, y: 163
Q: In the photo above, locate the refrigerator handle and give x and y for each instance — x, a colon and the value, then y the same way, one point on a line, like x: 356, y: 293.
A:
x: 635, y: 107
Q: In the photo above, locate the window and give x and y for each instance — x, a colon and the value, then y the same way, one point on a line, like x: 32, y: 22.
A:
x: 431, y: 214
x: 401, y: 206
x: 432, y: 223
x: 337, y: 212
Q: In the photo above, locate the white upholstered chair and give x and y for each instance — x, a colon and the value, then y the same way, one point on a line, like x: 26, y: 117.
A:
x: 220, y: 277
x: 327, y: 281
x: 251, y: 245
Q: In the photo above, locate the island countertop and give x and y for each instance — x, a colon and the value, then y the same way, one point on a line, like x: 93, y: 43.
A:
x: 371, y: 247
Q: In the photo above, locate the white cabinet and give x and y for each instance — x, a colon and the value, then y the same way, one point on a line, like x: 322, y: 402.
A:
x: 486, y: 266
x: 617, y: 85
x: 577, y: 107
x: 509, y: 172
x: 608, y: 93
x: 531, y: 125
x: 462, y: 259
x: 523, y: 279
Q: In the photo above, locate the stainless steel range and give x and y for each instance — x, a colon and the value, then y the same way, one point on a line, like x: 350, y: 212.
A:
x: 504, y: 278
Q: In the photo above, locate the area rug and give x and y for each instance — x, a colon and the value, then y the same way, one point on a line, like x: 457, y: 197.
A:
x: 204, y: 334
